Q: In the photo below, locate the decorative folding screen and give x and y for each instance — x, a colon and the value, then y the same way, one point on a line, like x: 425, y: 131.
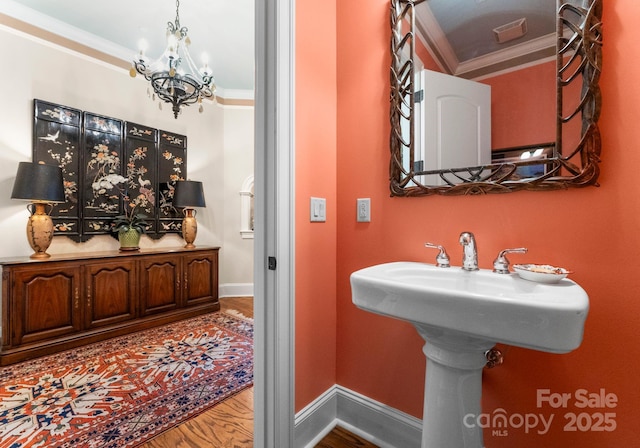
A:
x: 91, y: 150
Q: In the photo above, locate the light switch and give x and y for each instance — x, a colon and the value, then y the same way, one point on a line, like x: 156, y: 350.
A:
x: 318, y: 211
x: 363, y: 211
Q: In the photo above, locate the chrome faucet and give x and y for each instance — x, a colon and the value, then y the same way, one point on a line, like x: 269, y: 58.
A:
x: 501, y: 264
x: 469, y: 251
x: 442, y: 259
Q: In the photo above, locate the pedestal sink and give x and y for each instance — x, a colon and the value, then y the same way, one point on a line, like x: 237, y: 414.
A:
x: 462, y: 314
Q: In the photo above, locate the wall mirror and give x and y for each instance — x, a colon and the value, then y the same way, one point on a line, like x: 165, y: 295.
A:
x: 530, y: 143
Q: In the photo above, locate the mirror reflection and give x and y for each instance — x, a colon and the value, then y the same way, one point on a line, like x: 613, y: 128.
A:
x: 494, y: 96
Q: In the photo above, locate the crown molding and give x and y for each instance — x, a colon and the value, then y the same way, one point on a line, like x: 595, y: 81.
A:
x: 54, y: 31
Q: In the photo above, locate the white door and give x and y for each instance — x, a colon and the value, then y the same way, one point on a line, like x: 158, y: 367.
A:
x: 456, y: 123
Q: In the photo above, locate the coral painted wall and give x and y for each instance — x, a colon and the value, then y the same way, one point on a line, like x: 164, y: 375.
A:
x: 315, y: 176
x: 593, y: 231
x: 523, y: 105
x: 523, y: 102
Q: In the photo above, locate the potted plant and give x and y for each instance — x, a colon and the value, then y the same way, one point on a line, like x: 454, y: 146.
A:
x: 130, y: 226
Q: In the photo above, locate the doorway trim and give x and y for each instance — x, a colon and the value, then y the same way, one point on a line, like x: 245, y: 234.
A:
x: 274, y: 224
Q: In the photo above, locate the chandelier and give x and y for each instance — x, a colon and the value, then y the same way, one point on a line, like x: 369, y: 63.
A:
x: 174, y: 76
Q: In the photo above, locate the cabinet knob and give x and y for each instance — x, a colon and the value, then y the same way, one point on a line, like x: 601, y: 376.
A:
x: 76, y: 299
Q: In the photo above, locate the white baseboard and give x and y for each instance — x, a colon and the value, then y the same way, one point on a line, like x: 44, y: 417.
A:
x: 373, y: 421
x: 317, y: 419
x: 235, y: 290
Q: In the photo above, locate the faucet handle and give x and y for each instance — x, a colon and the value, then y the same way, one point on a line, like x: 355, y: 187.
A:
x: 442, y: 259
x: 501, y: 264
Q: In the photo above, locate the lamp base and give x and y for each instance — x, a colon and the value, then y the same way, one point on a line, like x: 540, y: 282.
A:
x: 189, y: 228
x: 40, y: 256
x: 39, y: 230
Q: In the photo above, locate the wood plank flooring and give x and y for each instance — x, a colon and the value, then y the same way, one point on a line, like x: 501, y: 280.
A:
x: 340, y: 437
x: 229, y: 424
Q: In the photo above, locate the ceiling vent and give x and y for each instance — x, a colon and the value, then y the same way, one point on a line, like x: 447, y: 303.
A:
x: 511, y: 30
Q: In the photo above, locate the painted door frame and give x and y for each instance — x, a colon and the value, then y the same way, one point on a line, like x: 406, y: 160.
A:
x: 274, y: 224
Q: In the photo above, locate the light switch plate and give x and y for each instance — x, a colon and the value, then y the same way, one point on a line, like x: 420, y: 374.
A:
x: 318, y: 211
x: 363, y: 210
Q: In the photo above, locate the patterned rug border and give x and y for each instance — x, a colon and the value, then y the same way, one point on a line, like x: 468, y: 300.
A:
x: 183, y: 398
x: 72, y: 354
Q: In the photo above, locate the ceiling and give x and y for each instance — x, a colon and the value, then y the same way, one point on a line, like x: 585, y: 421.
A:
x: 223, y: 29
x: 459, y: 32
x: 461, y: 37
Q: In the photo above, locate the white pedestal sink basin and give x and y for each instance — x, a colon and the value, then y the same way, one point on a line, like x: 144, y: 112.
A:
x: 462, y: 314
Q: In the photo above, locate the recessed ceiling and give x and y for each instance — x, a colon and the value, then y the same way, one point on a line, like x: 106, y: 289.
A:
x: 222, y: 29
x: 460, y: 33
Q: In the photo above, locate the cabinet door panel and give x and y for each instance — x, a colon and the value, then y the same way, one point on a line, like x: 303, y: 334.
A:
x: 111, y: 293
x: 46, y: 304
x: 160, y: 284
x: 201, y: 278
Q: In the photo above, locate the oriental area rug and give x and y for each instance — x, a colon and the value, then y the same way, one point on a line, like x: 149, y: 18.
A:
x: 126, y: 390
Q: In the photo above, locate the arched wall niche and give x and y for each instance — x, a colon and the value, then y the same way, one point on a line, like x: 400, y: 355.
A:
x: 246, y: 208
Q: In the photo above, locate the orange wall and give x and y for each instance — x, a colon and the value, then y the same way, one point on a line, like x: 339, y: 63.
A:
x: 315, y: 160
x: 523, y: 105
x: 593, y: 231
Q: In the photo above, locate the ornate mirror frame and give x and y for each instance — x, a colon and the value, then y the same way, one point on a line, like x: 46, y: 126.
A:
x: 579, y: 59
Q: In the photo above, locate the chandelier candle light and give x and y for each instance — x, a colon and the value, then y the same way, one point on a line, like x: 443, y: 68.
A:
x: 41, y: 185
x: 174, y: 77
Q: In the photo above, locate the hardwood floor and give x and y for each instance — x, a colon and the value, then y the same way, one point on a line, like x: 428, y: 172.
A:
x: 242, y: 304
x: 229, y: 424
x: 341, y: 438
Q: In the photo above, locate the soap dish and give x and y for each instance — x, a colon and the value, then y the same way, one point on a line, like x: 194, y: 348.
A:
x: 542, y: 273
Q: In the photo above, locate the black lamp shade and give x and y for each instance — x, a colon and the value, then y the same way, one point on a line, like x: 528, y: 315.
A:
x: 38, y: 182
x: 188, y: 193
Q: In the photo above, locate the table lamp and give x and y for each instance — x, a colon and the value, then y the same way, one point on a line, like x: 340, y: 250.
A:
x: 188, y: 194
x: 41, y: 185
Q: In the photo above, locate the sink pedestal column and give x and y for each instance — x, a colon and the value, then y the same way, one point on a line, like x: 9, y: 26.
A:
x: 453, y: 387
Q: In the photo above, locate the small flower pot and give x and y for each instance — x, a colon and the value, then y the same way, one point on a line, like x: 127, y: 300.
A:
x: 129, y: 239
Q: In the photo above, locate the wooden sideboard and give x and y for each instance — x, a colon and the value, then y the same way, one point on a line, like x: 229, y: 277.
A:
x: 71, y: 300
